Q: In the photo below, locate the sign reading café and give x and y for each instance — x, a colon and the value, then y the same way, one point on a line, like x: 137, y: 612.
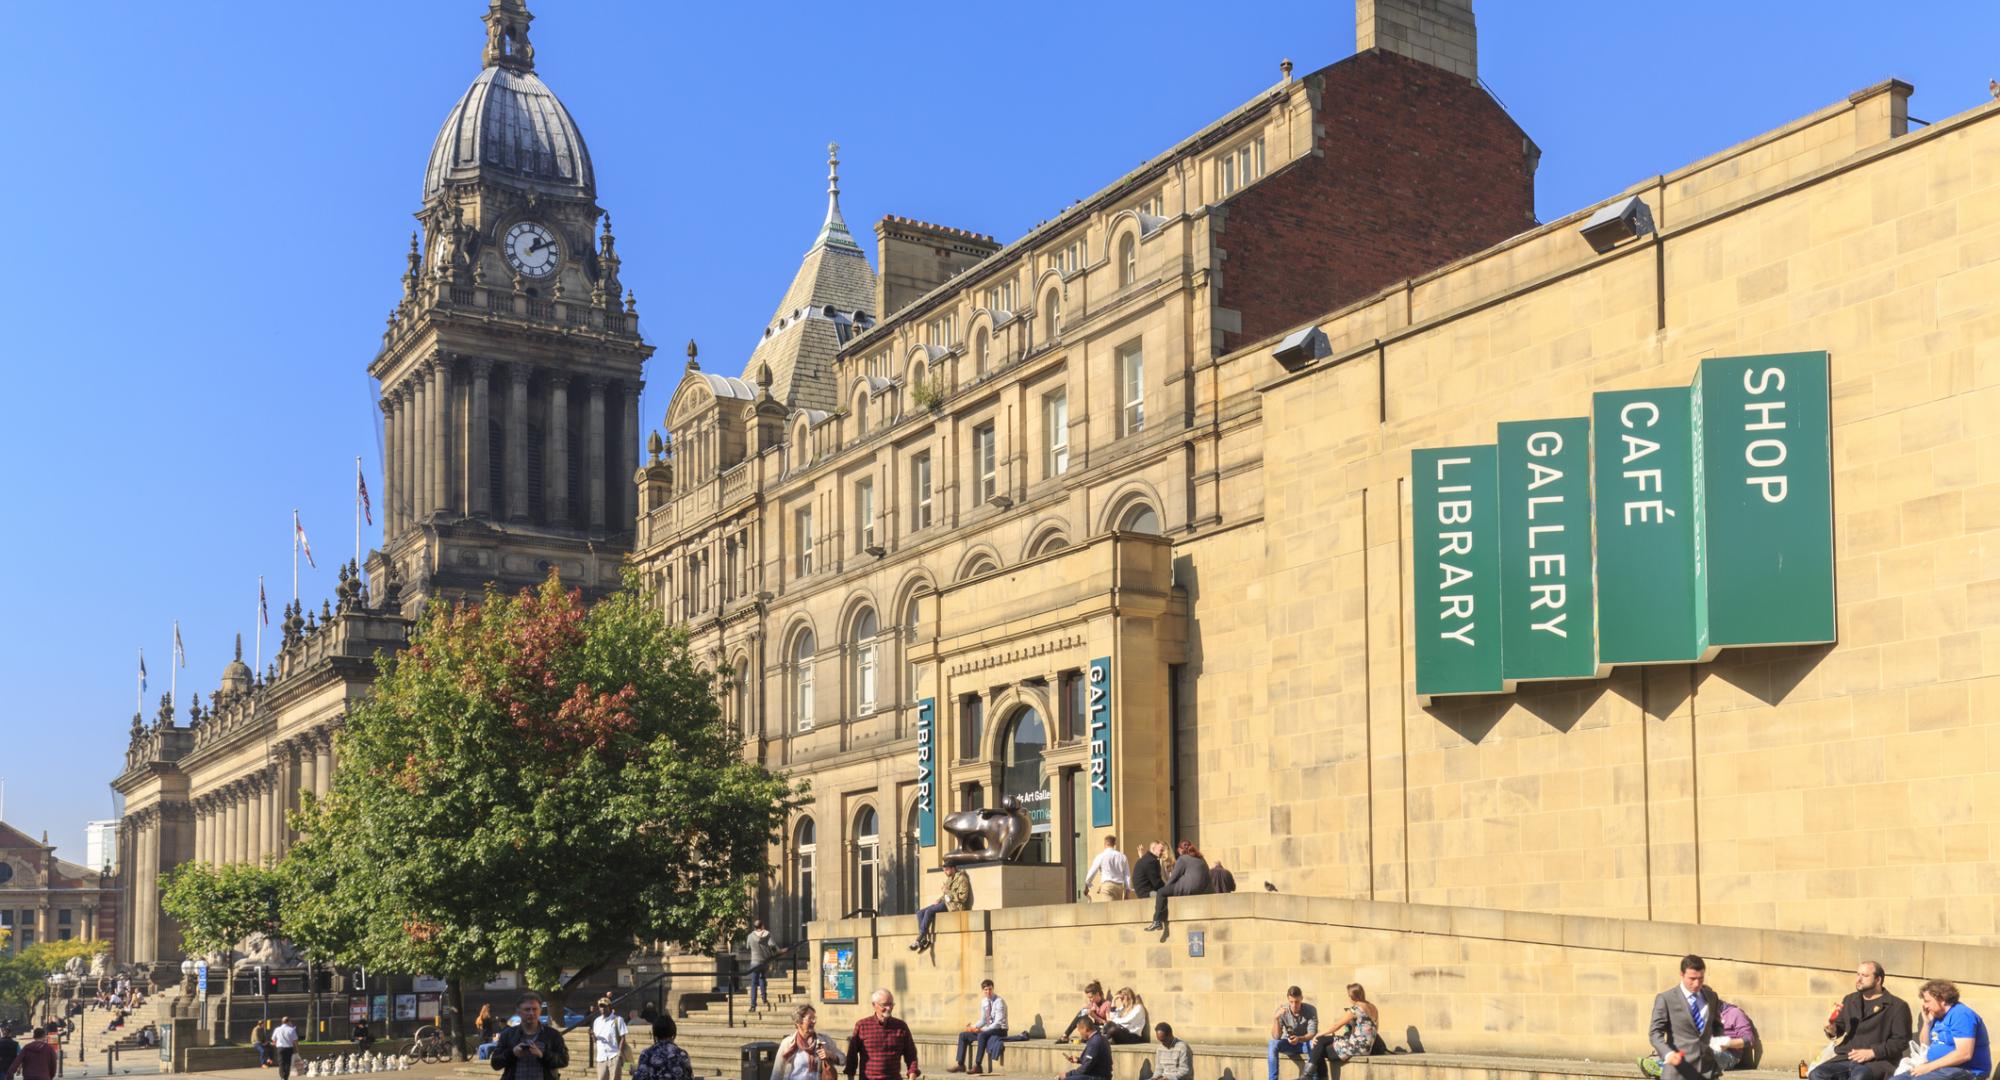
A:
x: 1666, y: 525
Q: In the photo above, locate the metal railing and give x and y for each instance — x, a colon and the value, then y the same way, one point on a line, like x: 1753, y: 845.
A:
x: 725, y: 979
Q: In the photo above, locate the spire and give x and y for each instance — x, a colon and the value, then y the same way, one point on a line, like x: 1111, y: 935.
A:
x: 239, y: 646
x: 833, y: 233
x: 507, y: 35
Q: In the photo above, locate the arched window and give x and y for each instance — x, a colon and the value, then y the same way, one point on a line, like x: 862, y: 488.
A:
x: 1050, y: 541
x: 860, y: 413
x: 912, y: 617
x: 739, y: 696
x: 978, y: 567
x: 805, y: 850
x: 1128, y: 261
x: 867, y: 859
x: 1021, y: 776
x: 863, y: 642
x: 1140, y: 519
x: 979, y: 344
x: 802, y: 680
x: 1051, y: 315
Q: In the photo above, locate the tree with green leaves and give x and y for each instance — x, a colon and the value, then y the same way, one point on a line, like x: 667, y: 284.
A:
x: 218, y: 907
x: 534, y: 785
x: 24, y: 975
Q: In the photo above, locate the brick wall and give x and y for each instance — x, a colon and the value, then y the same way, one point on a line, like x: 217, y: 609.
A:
x: 1417, y: 167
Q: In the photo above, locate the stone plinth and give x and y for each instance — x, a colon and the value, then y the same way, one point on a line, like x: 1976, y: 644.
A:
x: 1009, y: 885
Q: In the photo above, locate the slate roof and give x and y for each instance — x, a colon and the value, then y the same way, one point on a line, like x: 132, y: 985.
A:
x: 831, y: 299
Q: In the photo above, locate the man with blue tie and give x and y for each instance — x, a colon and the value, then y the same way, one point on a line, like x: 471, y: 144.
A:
x: 988, y: 1033
x: 1685, y: 1018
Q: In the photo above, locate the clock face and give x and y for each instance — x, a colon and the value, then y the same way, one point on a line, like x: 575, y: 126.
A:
x: 531, y: 249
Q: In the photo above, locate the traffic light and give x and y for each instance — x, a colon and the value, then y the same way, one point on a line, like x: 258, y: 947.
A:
x: 270, y: 983
x: 263, y: 981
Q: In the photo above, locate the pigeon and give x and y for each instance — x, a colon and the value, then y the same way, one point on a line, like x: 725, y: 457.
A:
x: 1268, y: 887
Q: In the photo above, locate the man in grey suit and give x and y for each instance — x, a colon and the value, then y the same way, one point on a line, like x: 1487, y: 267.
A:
x: 1685, y: 1018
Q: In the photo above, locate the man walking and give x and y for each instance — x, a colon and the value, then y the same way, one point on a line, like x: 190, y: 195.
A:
x: 1870, y: 1029
x: 37, y: 1060
x: 881, y: 1043
x: 987, y: 1033
x: 530, y: 1050
x: 285, y: 1040
x: 1110, y: 872
x: 607, y: 1040
x: 760, y: 958
x: 1685, y: 1018
x: 9, y: 1050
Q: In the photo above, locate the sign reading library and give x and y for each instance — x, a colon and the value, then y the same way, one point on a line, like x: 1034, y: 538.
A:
x: 1664, y: 526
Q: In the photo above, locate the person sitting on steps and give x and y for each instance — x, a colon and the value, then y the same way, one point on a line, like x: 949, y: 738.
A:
x: 1095, y: 1008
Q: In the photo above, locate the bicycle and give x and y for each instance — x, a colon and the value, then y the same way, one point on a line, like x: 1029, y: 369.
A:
x: 429, y: 1045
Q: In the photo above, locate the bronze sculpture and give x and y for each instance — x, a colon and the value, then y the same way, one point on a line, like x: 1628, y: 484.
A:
x: 987, y: 835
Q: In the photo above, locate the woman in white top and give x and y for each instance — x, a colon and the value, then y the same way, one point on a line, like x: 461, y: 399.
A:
x: 1128, y: 1018
x: 803, y: 1053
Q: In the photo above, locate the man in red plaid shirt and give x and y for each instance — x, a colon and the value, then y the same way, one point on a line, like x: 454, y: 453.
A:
x: 881, y: 1042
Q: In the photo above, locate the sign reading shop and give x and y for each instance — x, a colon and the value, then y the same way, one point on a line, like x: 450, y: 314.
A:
x: 1666, y: 525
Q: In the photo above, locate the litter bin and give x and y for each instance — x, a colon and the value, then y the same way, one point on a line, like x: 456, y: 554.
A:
x: 758, y: 1058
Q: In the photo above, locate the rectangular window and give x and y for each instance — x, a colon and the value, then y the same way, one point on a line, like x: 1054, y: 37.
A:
x: 1239, y: 167
x: 864, y: 679
x: 971, y: 726
x: 1131, y: 389
x: 985, y: 482
x: 1070, y: 259
x: 1070, y: 699
x: 802, y: 533
x: 1000, y: 297
x: 62, y: 917
x: 943, y: 331
x: 920, y: 491
x: 1154, y: 205
x: 864, y: 515
x: 1055, y: 433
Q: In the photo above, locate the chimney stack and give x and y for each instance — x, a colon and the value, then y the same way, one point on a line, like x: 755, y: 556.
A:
x: 1437, y: 32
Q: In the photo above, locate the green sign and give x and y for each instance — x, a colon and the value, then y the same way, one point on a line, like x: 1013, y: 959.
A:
x: 1651, y: 589
x: 1548, y: 605
x: 1768, y: 451
x: 1457, y: 555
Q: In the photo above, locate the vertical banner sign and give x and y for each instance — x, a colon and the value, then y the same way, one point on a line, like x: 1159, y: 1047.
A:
x: 1650, y: 580
x: 1769, y: 497
x: 1456, y: 556
x: 1548, y: 606
x: 1100, y: 743
x: 927, y: 772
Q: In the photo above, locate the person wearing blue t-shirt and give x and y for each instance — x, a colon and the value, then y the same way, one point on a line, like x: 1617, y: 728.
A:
x: 1955, y: 1043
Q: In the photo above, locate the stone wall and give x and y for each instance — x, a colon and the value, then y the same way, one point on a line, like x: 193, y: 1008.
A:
x: 1451, y: 980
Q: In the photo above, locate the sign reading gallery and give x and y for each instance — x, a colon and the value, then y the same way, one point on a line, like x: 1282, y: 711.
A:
x: 1666, y: 525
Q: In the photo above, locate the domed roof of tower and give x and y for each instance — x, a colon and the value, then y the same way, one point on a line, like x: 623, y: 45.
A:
x: 510, y: 126
x: 236, y: 674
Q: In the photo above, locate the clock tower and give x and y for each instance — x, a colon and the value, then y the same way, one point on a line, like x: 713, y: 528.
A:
x: 510, y: 369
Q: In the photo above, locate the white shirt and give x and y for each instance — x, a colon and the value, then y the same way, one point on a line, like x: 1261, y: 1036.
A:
x: 992, y: 1014
x: 286, y: 1037
x: 1109, y: 868
x: 605, y: 1031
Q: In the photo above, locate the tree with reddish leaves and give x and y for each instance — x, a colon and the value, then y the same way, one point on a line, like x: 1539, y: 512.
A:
x: 533, y: 785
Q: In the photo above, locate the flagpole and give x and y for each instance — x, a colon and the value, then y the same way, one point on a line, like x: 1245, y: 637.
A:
x: 173, y: 668
x: 259, y: 669
x: 357, y: 509
x: 295, y: 555
x: 142, y: 683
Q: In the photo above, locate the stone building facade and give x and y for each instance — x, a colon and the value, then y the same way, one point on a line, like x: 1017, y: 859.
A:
x: 984, y: 497
x: 510, y: 374
x: 43, y: 898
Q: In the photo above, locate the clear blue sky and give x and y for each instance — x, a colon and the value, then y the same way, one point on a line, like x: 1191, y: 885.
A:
x: 208, y: 207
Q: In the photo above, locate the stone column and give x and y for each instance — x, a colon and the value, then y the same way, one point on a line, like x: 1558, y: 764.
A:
x: 593, y: 456
x: 420, y: 441
x: 240, y: 830
x: 200, y: 830
x: 476, y: 446
x: 389, y: 455
x: 626, y: 507
x: 515, y: 439
x: 406, y: 424
x: 555, y: 471
x: 253, y: 836
x: 322, y: 762
x: 440, y: 448
x: 308, y: 769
